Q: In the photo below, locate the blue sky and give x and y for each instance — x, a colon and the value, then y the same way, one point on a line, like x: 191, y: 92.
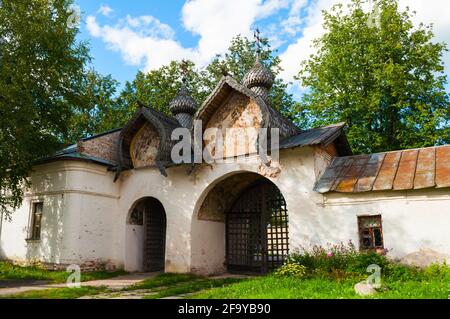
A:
x: 107, y: 61
x: 127, y: 36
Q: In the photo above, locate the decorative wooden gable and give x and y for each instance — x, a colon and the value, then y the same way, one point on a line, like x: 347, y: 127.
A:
x: 144, y: 146
x: 238, y: 119
x: 145, y: 141
x: 238, y: 114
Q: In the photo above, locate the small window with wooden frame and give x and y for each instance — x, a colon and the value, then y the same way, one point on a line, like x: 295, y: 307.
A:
x: 370, y: 232
x: 36, y: 218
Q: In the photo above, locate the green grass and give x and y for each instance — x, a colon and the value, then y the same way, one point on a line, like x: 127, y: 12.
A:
x: 431, y: 289
x: 8, y: 271
x: 322, y: 278
x: 162, y: 280
x: 267, y: 287
x: 192, y: 286
x: 331, y: 273
x: 57, y: 293
x: 271, y: 287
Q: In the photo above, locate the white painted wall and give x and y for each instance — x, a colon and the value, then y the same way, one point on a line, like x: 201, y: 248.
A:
x: 412, y: 220
x: 80, y: 206
x: 134, y: 257
x: 85, y: 214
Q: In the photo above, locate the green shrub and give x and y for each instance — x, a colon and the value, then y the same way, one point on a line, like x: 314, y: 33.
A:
x: 394, y: 271
x: 441, y: 271
x: 362, y: 260
x: 337, y: 259
x: 291, y: 270
x: 341, y: 262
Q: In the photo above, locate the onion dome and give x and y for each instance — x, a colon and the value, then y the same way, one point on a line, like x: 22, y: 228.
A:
x: 183, y: 106
x: 259, y: 79
x: 259, y: 75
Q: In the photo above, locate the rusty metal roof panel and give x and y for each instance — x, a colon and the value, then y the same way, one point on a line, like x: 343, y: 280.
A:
x: 346, y: 168
x: 324, y: 185
x: 426, y: 168
x: 443, y: 166
x: 369, y: 173
x: 351, y: 176
x: 328, y: 178
x: 404, y: 179
x: 387, y: 172
x: 399, y: 170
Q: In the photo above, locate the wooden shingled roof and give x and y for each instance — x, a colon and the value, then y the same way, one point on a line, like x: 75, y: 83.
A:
x: 399, y: 170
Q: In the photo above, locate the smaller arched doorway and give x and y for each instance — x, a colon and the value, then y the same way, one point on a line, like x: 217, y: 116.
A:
x: 149, y: 220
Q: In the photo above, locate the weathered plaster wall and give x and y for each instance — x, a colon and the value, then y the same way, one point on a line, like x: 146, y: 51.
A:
x: 412, y: 220
x: 79, y: 209
x: 144, y: 146
x: 134, y: 239
x: 220, y: 198
x: 237, y: 113
x: 177, y: 197
x: 86, y: 214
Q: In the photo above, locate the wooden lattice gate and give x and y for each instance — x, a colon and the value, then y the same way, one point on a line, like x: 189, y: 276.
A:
x: 257, y: 230
x: 155, y: 237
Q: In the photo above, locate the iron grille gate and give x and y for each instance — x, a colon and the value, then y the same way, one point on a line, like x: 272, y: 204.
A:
x: 155, y: 238
x: 257, y: 230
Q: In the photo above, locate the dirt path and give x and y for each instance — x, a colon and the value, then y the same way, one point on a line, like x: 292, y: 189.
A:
x: 143, y: 293
x: 115, y: 283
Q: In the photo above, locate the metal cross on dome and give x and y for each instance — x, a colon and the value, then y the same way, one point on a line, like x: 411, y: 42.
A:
x: 184, y: 66
x: 257, y: 36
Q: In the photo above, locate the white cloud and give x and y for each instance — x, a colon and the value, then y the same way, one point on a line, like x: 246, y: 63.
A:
x: 302, y: 48
x: 141, y: 41
x: 292, y: 24
x: 218, y: 21
x: 144, y: 40
x: 150, y: 26
x: 436, y: 12
x: 105, y: 10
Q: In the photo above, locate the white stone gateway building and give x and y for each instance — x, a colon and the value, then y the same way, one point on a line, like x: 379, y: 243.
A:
x: 118, y: 200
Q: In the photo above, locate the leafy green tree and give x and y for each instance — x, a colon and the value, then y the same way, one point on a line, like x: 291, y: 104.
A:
x: 99, y: 110
x: 41, y: 71
x: 380, y: 74
x: 158, y: 87
x: 239, y: 59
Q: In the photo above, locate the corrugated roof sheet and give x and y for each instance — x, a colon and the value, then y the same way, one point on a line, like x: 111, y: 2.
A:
x: 399, y: 170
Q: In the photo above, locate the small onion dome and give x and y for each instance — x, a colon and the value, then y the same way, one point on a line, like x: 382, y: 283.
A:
x: 183, y: 107
x: 259, y: 76
x: 183, y: 103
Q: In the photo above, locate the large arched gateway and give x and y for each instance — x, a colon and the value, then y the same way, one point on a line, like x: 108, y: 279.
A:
x: 246, y: 220
x: 257, y: 229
